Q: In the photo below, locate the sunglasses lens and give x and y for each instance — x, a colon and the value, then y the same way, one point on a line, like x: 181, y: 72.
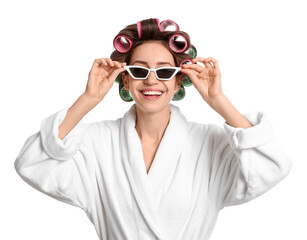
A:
x: 165, y: 73
x: 138, y: 72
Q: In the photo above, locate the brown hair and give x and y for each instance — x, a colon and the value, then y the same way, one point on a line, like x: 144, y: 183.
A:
x: 150, y: 30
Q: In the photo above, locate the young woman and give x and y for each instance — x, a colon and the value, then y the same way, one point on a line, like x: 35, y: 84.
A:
x: 152, y: 174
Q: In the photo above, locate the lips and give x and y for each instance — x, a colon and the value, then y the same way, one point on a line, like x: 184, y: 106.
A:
x: 153, y: 97
x: 152, y: 89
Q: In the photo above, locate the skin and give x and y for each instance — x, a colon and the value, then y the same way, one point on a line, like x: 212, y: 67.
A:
x: 152, y: 116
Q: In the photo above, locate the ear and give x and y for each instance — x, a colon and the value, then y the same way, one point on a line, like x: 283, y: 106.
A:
x: 125, y: 80
x: 178, y: 82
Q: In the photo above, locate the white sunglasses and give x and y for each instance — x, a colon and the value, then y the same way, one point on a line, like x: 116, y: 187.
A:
x: 163, y: 73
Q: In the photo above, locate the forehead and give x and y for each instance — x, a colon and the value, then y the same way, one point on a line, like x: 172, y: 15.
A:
x: 152, y: 52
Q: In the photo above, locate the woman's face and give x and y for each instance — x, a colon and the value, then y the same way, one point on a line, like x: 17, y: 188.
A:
x: 152, y: 54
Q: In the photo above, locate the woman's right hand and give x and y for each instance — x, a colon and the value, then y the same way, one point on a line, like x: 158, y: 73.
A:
x: 102, y: 76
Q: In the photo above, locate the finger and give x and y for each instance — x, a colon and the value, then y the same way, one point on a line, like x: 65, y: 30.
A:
x: 195, y: 67
x: 119, y: 64
x: 205, y: 61
x: 120, y: 69
x: 115, y: 73
x: 189, y: 70
x: 102, y: 67
x: 97, y: 62
x: 110, y: 62
x: 198, y: 59
x: 192, y: 74
x: 216, y: 65
x: 107, y: 64
x: 96, y: 66
x: 104, y: 62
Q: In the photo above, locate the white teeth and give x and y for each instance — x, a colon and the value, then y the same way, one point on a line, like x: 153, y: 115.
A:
x: 151, y: 93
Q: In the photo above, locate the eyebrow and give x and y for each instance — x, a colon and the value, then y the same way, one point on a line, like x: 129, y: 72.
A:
x: 159, y: 63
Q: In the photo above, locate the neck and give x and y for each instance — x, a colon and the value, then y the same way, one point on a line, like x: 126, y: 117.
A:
x: 151, y: 126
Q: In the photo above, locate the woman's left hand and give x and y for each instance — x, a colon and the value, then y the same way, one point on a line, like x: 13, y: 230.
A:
x: 207, y: 80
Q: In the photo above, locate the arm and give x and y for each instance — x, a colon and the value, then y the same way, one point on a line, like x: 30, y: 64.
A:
x: 56, y: 159
x: 101, y: 78
x: 75, y: 113
x: 246, y: 159
x: 54, y: 166
x: 232, y: 116
x: 246, y: 162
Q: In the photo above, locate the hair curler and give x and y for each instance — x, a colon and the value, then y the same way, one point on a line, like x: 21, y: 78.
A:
x: 192, y: 51
x: 158, y: 23
x: 186, y: 81
x: 139, y: 28
x: 185, y: 61
x: 180, y: 94
x: 167, y: 23
x: 178, y: 46
x: 124, y: 93
x: 122, y: 43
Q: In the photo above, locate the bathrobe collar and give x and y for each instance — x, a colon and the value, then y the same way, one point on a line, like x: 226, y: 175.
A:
x: 164, y: 164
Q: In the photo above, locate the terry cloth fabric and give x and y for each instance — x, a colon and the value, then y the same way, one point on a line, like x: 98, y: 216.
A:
x: 198, y: 170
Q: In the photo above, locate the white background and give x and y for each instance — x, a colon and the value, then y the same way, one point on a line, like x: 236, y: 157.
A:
x: 46, y: 52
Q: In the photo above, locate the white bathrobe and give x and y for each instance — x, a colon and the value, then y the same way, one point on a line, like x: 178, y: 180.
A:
x: 198, y: 169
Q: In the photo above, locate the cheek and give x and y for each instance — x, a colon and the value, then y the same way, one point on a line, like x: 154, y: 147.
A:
x: 130, y: 82
x: 133, y: 85
x: 172, y: 85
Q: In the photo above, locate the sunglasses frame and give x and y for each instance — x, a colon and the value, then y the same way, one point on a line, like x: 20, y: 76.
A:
x: 177, y: 69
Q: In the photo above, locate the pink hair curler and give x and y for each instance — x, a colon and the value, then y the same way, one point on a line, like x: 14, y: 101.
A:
x: 158, y: 23
x: 139, y: 27
x: 186, y: 61
x: 122, y: 43
x: 178, y: 46
x: 167, y: 23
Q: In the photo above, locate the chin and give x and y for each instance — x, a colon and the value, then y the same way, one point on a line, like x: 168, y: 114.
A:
x: 153, y: 106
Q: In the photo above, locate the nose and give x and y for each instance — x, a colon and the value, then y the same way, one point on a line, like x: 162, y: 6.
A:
x: 152, y: 79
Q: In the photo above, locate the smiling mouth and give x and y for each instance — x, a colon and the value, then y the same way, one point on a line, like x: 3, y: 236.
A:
x: 150, y: 95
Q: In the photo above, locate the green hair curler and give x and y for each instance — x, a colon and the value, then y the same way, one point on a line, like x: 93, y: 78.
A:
x: 124, y: 93
x: 192, y: 51
x: 180, y: 94
x: 186, y: 82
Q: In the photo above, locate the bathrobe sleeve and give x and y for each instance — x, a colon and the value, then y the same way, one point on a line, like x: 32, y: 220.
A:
x: 246, y: 161
x: 54, y: 166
